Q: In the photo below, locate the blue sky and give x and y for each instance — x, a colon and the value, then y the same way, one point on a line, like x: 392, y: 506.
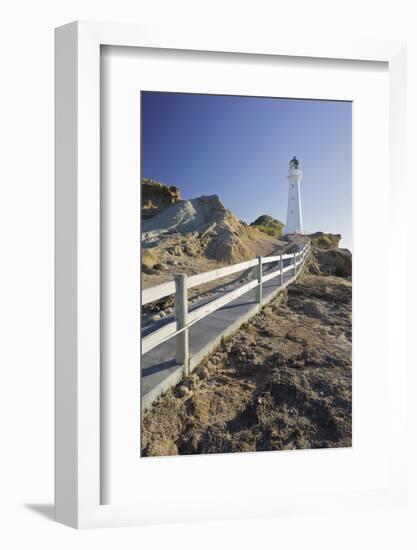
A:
x: 239, y: 148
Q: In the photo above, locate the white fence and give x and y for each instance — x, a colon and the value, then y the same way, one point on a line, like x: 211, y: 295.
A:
x: 184, y: 319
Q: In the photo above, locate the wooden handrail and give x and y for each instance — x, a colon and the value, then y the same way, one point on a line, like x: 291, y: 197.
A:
x: 180, y: 328
x: 163, y: 290
x: 157, y: 292
x: 208, y: 276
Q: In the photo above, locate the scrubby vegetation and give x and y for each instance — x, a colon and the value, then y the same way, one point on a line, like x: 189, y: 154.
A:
x: 269, y: 225
x: 325, y: 240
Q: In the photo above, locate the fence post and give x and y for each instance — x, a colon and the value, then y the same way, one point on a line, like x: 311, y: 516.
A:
x: 294, y: 262
x: 259, y: 277
x: 181, y: 316
x: 281, y: 267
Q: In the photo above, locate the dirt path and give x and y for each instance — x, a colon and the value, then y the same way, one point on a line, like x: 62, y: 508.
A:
x: 281, y: 382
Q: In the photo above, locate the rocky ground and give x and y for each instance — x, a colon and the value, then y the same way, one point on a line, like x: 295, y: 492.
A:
x: 283, y: 381
x: 185, y: 253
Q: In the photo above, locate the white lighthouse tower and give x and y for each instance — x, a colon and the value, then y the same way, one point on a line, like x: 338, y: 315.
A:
x: 294, y: 216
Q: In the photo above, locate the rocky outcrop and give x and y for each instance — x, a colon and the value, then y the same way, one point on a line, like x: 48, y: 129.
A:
x: 211, y: 229
x: 149, y: 258
x: 327, y: 258
x: 157, y: 196
x: 335, y: 261
x: 325, y: 240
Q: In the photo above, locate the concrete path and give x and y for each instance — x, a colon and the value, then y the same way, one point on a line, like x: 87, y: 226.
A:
x: 159, y: 370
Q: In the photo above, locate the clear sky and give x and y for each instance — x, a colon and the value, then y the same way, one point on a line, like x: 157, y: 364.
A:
x: 239, y: 148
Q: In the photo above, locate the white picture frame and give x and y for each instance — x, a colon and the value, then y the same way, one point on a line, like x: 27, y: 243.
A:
x: 78, y: 405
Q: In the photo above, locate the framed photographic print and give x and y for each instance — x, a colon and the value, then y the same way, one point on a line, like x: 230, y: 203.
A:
x: 254, y: 388
x: 220, y: 336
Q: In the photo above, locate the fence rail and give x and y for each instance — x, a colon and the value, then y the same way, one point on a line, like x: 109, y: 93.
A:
x: 184, y: 319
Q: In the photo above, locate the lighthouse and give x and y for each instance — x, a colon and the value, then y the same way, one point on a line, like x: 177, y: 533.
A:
x: 294, y: 216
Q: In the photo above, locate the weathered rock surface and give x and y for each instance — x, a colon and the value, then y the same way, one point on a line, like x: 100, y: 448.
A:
x: 149, y: 258
x: 157, y: 196
x: 313, y: 309
x: 335, y: 261
x: 211, y: 230
x: 327, y: 258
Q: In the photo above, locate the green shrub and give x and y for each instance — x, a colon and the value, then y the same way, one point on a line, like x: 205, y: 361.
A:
x: 269, y: 225
x: 273, y: 231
